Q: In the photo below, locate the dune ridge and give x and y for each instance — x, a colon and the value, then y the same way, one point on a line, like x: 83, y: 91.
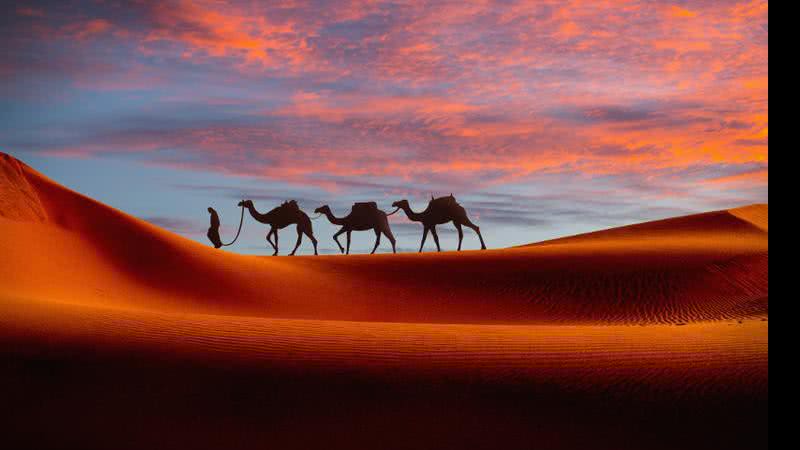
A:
x: 757, y: 214
x: 18, y: 199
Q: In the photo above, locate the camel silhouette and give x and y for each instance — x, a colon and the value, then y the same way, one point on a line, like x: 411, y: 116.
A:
x: 281, y: 217
x: 363, y: 216
x: 440, y: 210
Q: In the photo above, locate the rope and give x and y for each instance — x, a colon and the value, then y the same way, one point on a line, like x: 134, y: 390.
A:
x: 241, y: 221
x: 398, y: 209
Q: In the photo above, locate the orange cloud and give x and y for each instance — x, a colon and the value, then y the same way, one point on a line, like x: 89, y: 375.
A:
x: 88, y: 29
x: 416, y: 89
x: 212, y: 29
x: 679, y: 12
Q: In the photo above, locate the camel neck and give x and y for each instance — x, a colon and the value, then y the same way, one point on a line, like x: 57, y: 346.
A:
x: 333, y: 219
x: 411, y: 214
x: 256, y: 215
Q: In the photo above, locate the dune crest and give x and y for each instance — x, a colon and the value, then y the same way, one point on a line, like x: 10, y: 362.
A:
x: 758, y: 215
x: 748, y: 223
x: 18, y: 200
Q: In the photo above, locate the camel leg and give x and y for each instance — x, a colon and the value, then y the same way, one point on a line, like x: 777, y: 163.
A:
x: 435, y: 238
x: 299, y: 239
x: 276, y: 242
x: 336, y: 238
x: 377, y: 241
x: 477, y: 230
x: 348, y: 241
x: 274, y: 246
x: 313, y: 240
x: 424, y: 236
x: 460, y: 234
x: 390, y: 236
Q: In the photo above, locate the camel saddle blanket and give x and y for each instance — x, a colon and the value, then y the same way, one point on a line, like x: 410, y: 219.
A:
x: 444, y: 202
x: 365, y: 207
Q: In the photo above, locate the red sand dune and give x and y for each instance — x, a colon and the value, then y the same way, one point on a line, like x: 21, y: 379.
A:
x: 116, y: 333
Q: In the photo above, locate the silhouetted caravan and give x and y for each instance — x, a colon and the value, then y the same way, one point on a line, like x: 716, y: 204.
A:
x: 440, y: 210
x: 363, y: 216
x: 281, y: 217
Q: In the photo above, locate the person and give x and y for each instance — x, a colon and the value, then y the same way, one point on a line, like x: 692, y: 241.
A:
x: 213, y: 230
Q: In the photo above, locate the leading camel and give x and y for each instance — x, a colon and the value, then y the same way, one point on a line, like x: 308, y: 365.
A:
x: 363, y: 216
x: 439, y: 211
x: 281, y: 217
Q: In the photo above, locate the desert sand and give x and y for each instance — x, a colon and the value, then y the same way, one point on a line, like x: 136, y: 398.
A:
x: 115, y: 333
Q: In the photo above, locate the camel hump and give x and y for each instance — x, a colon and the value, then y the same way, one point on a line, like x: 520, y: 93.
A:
x: 362, y: 207
x: 444, y: 202
x: 291, y: 204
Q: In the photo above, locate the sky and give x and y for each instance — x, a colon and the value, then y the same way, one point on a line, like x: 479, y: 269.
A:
x: 544, y: 118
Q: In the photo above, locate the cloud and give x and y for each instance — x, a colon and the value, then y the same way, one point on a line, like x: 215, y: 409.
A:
x: 396, y: 99
x: 88, y: 29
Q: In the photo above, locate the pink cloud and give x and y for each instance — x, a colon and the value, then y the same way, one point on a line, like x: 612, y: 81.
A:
x: 440, y: 90
x: 88, y: 29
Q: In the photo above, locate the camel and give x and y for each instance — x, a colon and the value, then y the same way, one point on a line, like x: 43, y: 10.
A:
x: 439, y: 211
x: 363, y: 216
x: 281, y: 217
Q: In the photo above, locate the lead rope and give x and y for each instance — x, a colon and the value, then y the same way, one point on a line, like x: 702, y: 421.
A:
x: 241, y: 221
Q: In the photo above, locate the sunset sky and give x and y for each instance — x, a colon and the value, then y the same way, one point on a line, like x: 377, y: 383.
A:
x: 544, y: 118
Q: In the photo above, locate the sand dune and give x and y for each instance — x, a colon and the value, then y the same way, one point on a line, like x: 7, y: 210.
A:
x: 174, y: 344
x: 704, y: 267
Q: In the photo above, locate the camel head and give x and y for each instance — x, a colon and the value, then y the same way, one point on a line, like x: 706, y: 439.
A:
x: 322, y: 209
x: 400, y: 204
x: 245, y: 203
